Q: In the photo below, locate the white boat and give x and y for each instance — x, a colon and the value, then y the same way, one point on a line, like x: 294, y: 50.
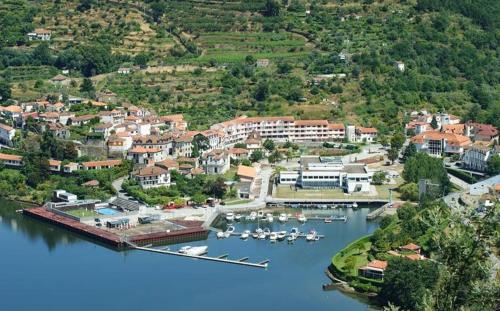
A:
x: 291, y: 238
x: 283, y: 217
x: 230, y: 216
x: 221, y: 235
x: 273, y: 237
x: 281, y: 235
x: 295, y: 231
x: 252, y: 216
x: 229, y: 231
x: 245, y: 235
x: 237, y: 217
x: 262, y: 236
x: 269, y: 217
x: 260, y: 215
x: 302, y: 218
x: 354, y: 205
x: 256, y: 233
x: 267, y: 232
x: 328, y: 220
x: 312, y: 236
x: 194, y: 250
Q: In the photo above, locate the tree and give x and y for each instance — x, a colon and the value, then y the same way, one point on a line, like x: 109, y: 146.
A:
x: 216, y: 188
x: 87, y: 87
x: 274, y: 157
x: 410, y: 151
x: 408, y: 283
x: 142, y: 59
x: 250, y: 60
x: 379, y: 178
x: 423, y: 166
x: 397, y: 141
x: 434, y: 123
x: 158, y: 8
x: 199, y: 198
x: 271, y: 8
x: 261, y: 91
x: 84, y: 5
x: 269, y: 145
x: 200, y: 144
x: 42, y: 54
x: 256, y: 156
x: 393, y: 154
x: 409, y: 192
x: 5, y: 91
x: 493, y: 167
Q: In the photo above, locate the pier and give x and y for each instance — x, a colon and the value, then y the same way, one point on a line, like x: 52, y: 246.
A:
x: 222, y: 258
x: 376, y: 213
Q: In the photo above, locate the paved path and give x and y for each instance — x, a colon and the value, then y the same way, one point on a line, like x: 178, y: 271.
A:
x: 117, y: 185
x: 457, y: 181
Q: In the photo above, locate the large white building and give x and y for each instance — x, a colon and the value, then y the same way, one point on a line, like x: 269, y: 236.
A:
x: 328, y: 172
x: 477, y: 156
x: 439, y: 143
x: 152, y: 177
x: 279, y: 128
x: 216, y: 161
x: 7, y: 134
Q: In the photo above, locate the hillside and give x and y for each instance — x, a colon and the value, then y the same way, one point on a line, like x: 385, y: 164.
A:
x: 202, y: 56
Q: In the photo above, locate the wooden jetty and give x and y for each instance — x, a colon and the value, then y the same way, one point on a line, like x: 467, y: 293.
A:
x: 222, y: 258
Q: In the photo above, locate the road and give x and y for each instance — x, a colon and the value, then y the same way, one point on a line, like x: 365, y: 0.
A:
x: 117, y: 185
x: 457, y: 181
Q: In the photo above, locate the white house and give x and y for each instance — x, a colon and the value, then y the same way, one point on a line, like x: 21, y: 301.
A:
x: 366, y: 134
x: 216, y: 161
x: 40, y: 34
x: 144, y: 156
x: 124, y: 70
x: 11, y: 160
x: 439, y: 143
x: 7, y: 133
x: 476, y: 157
x: 151, y: 177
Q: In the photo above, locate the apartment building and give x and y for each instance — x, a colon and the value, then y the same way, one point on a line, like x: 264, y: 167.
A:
x: 439, y: 143
x: 477, y: 156
x: 279, y: 129
x: 151, y: 177
x: 216, y: 161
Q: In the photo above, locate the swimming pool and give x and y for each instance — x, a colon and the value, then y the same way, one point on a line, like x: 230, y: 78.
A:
x: 107, y: 211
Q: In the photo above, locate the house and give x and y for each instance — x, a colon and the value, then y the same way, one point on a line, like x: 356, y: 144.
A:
x: 477, y: 156
x: 99, y: 165
x: 168, y: 164
x: 124, y: 70
x: 262, y: 63
x: 60, y: 131
x: 104, y: 129
x: 174, y: 122
x: 183, y: 146
x: 40, y: 34
x: 73, y: 100
x: 56, y: 107
x: 7, y: 134
x: 80, y: 120
x: 162, y: 142
x: 410, y: 247
x: 144, y: 156
x: 55, y: 165
x: 70, y: 167
x: 215, y: 161
x: 107, y: 97
x: 60, y: 80
x: 399, y: 65
x: 238, y: 153
x: 151, y: 177
x: 481, y: 132
x: 114, y: 116
x: 99, y: 104
x: 64, y: 117
x: 366, y: 134
x: 49, y: 117
x: 11, y: 160
x: 439, y: 143
x: 118, y: 145
x: 246, y: 173
x: 253, y: 141
x: 374, y: 269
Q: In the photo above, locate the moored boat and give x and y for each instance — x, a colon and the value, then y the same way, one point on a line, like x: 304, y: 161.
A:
x: 273, y: 237
x: 302, y: 218
x: 328, y: 220
x: 193, y: 250
x: 312, y: 236
x: 269, y: 217
x: 245, y: 235
x: 230, y: 217
x: 237, y: 217
x: 281, y: 235
x: 283, y: 217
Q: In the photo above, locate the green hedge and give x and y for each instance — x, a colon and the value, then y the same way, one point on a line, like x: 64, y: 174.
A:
x: 467, y: 177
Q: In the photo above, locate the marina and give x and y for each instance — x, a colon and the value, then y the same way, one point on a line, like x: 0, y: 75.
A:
x: 184, y: 281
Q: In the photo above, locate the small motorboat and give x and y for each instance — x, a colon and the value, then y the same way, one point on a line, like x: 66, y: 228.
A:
x: 273, y: 237
x: 354, y: 205
x: 262, y: 236
x: 229, y: 231
x: 295, y: 231
x: 312, y: 236
x: 269, y: 217
x: 281, y: 235
x: 283, y: 217
x: 291, y: 238
x: 221, y: 235
x: 194, y: 250
x: 267, y: 232
x: 328, y: 220
x: 237, y: 217
x: 252, y: 216
x: 261, y: 215
x: 245, y: 235
x: 256, y: 233
x: 302, y: 218
x: 230, y: 217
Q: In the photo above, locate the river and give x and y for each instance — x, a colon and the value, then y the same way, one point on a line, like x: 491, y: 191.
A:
x: 48, y: 268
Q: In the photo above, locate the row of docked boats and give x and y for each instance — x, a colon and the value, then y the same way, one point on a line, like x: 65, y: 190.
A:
x: 272, y: 236
x: 331, y: 219
x: 261, y: 216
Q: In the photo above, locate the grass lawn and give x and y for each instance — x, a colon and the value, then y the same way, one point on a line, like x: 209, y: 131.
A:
x: 82, y: 212
x: 353, y: 256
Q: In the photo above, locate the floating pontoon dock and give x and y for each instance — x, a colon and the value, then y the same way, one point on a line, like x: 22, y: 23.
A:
x: 222, y: 258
